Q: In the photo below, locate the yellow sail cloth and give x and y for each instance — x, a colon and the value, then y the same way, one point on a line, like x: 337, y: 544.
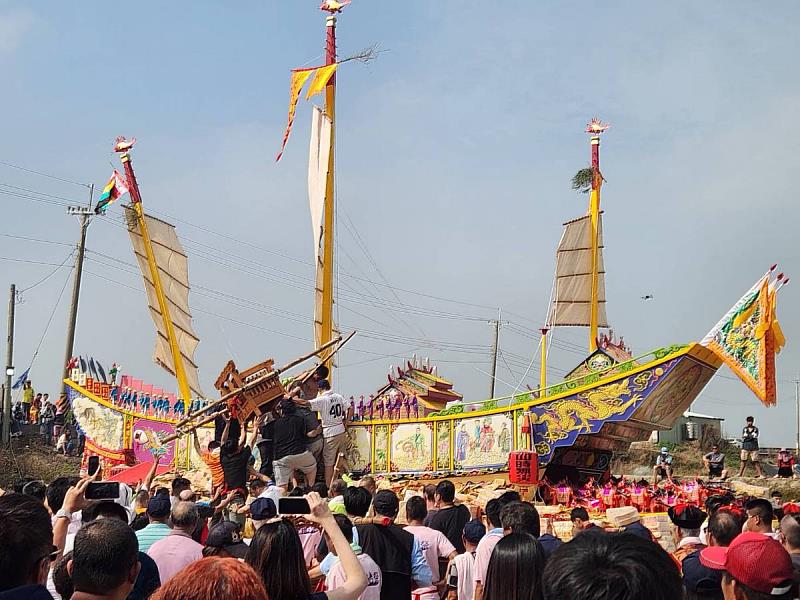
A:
x: 572, y: 299
x: 173, y: 270
x: 321, y: 77
x: 318, y: 155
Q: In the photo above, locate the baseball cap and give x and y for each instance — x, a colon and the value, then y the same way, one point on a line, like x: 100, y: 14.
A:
x: 687, y: 516
x: 225, y: 535
x: 755, y: 560
x: 262, y: 509
x: 664, y: 449
x: 386, y: 503
x: 159, y: 507
x: 474, y: 531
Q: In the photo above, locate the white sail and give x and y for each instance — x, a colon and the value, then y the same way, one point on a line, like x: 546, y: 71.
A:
x: 173, y: 270
x: 572, y: 300
x: 318, y: 155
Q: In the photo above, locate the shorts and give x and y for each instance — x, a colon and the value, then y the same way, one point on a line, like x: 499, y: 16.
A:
x: 749, y: 454
x: 785, y: 472
x: 333, y: 447
x: 283, y: 467
x: 715, y: 470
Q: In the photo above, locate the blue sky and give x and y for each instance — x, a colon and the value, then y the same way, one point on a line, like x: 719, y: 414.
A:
x: 455, y: 150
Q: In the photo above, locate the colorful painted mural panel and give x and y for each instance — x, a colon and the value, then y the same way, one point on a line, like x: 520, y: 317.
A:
x: 381, y: 462
x: 412, y: 447
x: 359, y: 448
x: 146, y: 436
x: 102, y: 425
x: 483, y: 442
x: 443, y: 429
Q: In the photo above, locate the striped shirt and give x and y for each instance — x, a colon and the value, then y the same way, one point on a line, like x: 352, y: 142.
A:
x: 151, y: 534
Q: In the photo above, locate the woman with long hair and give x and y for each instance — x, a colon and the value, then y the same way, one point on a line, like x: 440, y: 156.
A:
x: 213, y: 577
x: 277, y: 555
x: 515, y: 569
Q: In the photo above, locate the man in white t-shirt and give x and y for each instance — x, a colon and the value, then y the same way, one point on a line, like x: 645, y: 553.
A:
x: 433, y: 543
x: 485, y: 547
x: 336, y: 577
x: 333, y: 414
x: 461, y: 571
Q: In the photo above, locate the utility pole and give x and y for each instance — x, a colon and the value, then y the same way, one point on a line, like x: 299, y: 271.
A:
x: 84, y: 212
x: 495, y: 345
x: 9, y: 367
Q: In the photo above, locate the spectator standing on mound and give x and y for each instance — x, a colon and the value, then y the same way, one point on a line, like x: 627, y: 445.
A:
x: 750, y: 448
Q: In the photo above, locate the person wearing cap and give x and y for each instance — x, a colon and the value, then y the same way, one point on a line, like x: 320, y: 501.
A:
x: 715, y: 463
x: 158, y: 509
x: 750, y: 448
x: 785, y: 463
x: 686, y: 519
x: 460, y: 572
x: 754, y: 567
x: 396, y: 551
x: 225, y: 540
x: 261, y: 511
x: 627, y: 519
x: 663, y: 466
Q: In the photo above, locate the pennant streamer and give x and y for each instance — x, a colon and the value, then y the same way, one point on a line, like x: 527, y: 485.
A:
x: 322, y: 76
x: 115, y: 188
x: 299, y: 79
x: 748, y: 337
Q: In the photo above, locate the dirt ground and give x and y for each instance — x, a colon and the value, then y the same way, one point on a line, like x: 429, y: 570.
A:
x: 29, y: 457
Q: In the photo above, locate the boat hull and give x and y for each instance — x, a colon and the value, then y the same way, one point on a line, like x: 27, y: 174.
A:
x: 594, y: 413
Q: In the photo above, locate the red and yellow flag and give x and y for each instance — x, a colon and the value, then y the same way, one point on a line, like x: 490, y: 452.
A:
x: 322, y: 76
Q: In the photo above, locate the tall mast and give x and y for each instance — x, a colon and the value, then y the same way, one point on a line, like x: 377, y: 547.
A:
x: 595, y: 128
x: 163, y: 307
x: 326, y: 316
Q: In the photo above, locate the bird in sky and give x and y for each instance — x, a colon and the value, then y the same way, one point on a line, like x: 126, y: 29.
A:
x: 648, y: 297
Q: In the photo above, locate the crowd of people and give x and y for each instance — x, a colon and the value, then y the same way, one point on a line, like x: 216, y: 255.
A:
x: 162, y: 543
x: 52, y: 419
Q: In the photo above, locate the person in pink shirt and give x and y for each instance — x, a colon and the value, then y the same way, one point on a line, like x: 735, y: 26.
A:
x: 177, y: 549
x: 433, y: 543
x: 485, y: 547
x: 336, y: 576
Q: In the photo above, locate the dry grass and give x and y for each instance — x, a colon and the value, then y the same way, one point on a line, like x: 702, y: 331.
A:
x: 30, y: 457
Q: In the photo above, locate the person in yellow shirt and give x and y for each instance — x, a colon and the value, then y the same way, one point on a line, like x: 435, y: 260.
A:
x: 27, y: 399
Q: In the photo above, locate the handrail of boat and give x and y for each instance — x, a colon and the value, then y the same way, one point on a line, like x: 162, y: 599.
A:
x: 562, y: 386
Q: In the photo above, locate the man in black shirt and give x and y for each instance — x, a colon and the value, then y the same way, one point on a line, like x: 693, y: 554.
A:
x: 289, y: 446
x: 234, y: 456
x: 450, y: 519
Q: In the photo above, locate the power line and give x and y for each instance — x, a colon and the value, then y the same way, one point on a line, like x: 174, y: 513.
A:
x: 41, y: 174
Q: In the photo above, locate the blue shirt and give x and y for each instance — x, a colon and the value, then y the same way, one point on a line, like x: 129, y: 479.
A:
x: 420, y: 571
x: 151, y: 534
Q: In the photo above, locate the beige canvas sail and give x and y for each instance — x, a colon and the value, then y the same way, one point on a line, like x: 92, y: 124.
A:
x: 572, y: 301
x: 173, y: 271
x: 318, y: 155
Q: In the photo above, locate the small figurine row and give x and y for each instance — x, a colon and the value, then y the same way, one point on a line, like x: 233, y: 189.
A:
x: 392, y: 406
x: 157, y: 405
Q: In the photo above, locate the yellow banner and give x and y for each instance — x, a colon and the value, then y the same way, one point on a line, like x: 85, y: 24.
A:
x: 321, y: 78
x: 299, y: 79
